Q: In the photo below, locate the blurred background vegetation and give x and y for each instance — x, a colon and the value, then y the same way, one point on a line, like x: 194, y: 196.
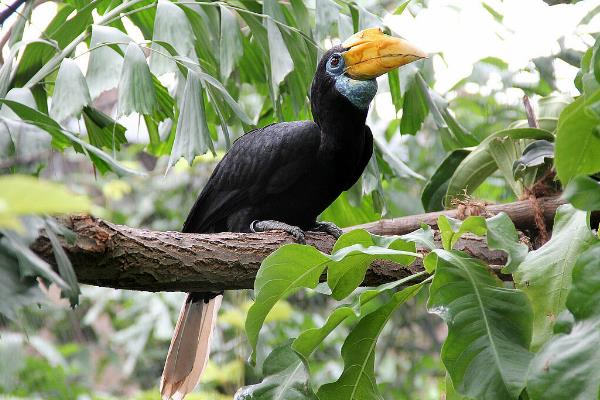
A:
x: 485, y: 55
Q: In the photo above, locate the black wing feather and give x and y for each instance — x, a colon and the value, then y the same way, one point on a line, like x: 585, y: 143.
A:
x: 262, y: 162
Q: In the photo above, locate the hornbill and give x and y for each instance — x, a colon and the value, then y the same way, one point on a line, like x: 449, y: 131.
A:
x: 282, y: 176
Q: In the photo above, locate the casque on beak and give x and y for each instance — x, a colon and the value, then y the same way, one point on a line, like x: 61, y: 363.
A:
x: 372, y: 53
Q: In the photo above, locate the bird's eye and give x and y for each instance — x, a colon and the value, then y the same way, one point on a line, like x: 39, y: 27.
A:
x: 335, y: 61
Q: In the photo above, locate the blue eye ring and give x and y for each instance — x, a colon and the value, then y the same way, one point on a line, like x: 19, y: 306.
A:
x: 335, y: 64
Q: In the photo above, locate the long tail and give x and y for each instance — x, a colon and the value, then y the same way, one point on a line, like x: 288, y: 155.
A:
x: 190, y: 346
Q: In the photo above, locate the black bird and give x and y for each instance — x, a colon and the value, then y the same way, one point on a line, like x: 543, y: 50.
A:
x: 283, y: 176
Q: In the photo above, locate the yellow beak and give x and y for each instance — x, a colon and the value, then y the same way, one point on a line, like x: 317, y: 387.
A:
x: 372, y: 53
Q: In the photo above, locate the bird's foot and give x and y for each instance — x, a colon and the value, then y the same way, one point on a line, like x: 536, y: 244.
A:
x: 270, y: 225
x: 328, y: 227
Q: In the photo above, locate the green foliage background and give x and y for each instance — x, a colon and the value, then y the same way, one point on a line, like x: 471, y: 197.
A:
x: 195, y: 77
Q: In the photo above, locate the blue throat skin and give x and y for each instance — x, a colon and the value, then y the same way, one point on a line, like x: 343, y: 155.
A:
x: 360, y: 93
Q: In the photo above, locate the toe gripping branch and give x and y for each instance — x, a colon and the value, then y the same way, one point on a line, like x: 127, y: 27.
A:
x: 270, y: 225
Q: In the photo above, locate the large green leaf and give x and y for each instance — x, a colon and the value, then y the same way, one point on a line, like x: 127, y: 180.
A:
x: 480, y: 163
x: 104, y: 66
x: 310, y: 339
x: 102, y: 130
x: 577, y: 138
x: 231, y: 42
x: 286, y: 378
x: 414, y: 110
x: 583, y: 193
x: 136, y: 88
x: 357, y: 381
x: 65, y: 268
x: 21, y: 194
x: 71, y: 92
x: 545, y: 274
x: 281, y: 62
x: 192, y: 136
x: 65, y: 138
x: 436, y: 187
x: 172, y: 26
x: 294, y: 266
x: 489, y: 328
x: 355, y: 251
x: 282, y: 273
x: 568, y: 366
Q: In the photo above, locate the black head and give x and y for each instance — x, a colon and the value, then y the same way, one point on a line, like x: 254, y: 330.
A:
x: 344, y: 83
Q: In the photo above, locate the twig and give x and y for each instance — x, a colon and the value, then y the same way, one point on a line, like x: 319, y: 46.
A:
x: 531, y: 119
x: 10, y: 10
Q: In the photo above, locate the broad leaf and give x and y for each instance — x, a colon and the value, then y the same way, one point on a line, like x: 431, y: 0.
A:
x: 192, y: 136
x: 231, y: 48
x: 71, y: 92
x: 545, y: 274
x: 65, y: 269
x: 294, y: 266
x: 480, y: 164
x: 355, y: 251
x: 489, y: 328
x: 436, y: 187
x: 310, y: 339
x: 577, y: 139
x: 414, y: 110
x: 21, y: 194
x: 358, y: 381
x: 171, y: 25
x: 136, y: 89
x: 102, y: 130
x: 583, y: 193
x: 104, y: 66
x: 568, y: 366
x: 280, y: 60
x: 15, y: 292
x: 282, y: 273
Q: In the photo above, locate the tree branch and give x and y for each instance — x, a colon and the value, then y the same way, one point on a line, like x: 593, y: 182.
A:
x: 110, y: 255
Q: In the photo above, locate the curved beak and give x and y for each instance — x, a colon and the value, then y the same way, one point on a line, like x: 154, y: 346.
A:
x: 371, y: 53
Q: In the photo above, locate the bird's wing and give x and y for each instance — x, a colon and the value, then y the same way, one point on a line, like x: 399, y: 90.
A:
x: 353, y: 177
x: 262, y: 162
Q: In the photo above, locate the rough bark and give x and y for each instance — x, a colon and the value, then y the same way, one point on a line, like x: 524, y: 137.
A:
x: 110, y: 255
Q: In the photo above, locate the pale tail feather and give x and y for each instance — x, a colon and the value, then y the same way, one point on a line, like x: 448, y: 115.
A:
x: 190, y: 347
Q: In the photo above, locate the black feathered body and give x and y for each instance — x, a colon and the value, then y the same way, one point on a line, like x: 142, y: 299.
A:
x: 290, y: 171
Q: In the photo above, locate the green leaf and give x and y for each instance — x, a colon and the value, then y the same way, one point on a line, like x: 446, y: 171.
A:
x: 71, y: 93
x: 105, y: 64
x: 584, y: 298
x: 136, y: 89
x: 282, y: 273
x: 578, y: 139
x: 286, y: 378
x: 293, y: 266
x: 15, y: 292
x: 489, y: 328
x: 231, y: 48
x: 357, y: 380
x: 502, y: 235
x: 21, y: 194
x: 192, y: 136
x: 65, y: 269
x: 400, y: 9
x: 280, y: 60
x: 480, y: 164
x: 30, y: 264
x: 583, y: 193
x: 452, y: 229
x: 171, y: 25
x: 355, y: 251
x: 414, y: 110
x: 310, y: 339
x: 436, y: 187
x: 102, y: 130
x: 64, y: 138
x: 568, y: 366
x: 545, y: 274
x: 534, y: 155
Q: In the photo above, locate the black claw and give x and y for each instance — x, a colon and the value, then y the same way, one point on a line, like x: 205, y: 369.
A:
x: 269, y: 225
x: 330, y: 228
